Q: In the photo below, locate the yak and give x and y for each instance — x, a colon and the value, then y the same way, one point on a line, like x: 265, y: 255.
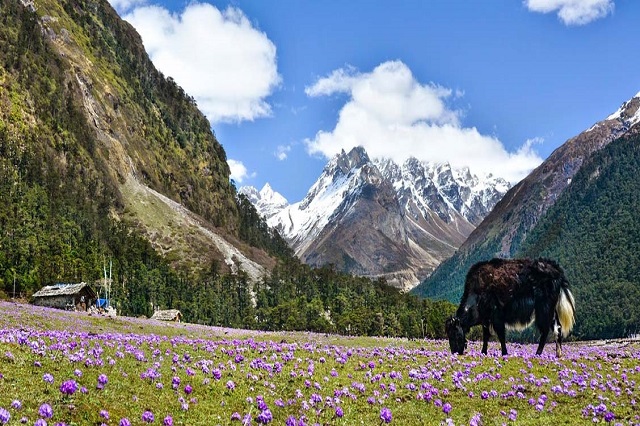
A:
x: 513, y: 293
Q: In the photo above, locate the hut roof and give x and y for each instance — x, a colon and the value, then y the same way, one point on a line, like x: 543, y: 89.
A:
x: 166, y: 315
x: 63, y: 289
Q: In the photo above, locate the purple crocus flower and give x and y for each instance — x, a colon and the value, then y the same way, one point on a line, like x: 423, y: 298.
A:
x: 102, y: 381
x: 385, y: 415
x: 4, y: 416
x: 45, y: 411
x: 188, y: 389
x: 339, y: 412
x: 125, y: 422
x: 69, y: 387
x: 40, y: 422
x: 47, y: 377
x: 168, y: 421
x: 265, y: 417
x: 446, y: 408
x: 148, y: 417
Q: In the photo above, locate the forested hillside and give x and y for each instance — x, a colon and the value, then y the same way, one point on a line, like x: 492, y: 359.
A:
x: 84, y: 118
x: 593, y: 231
x: 62, y: 212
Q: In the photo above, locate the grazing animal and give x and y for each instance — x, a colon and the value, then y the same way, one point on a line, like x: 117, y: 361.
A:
x: 513, y: 293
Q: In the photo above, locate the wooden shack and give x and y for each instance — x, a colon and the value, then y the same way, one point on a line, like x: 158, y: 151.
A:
x: 72, y: 297
x: 167, y: 315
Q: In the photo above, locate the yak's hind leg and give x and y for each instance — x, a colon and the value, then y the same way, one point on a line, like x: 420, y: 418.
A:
x: 486, y: 333
x: 557, y: 330
x: 544, y: 320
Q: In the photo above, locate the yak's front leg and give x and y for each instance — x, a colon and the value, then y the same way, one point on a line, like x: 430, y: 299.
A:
x: 498, y: 326
x: 486, y: 333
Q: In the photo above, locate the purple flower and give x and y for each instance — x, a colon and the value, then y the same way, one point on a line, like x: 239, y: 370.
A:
x: 4, y: 416
x: 16, y: 404
x: 265, y: 417
x: 231, y: 385
x: 339, y: 412
x: 45, y: 411
x: 168, y: 421
x: 69, y: 387
x: 104, y: 414
x: 446, y: 408
x: 102, y: 380
x: 476, y: 420
x: 236, y: 416
x: 47, y: 377
x: 40, y: 422
x: 188, y: 389
x: 148, y: 417
x: 125, y: 422
x: 385, y: 415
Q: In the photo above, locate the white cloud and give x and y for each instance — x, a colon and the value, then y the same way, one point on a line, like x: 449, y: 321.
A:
x: 282, y: 152
x: 216, y: 56
x: 392, y: 115
x: 238, y: 171
x: 573, y: 12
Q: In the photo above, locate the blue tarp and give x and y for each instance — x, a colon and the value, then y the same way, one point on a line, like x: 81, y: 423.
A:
x: 102, y: 303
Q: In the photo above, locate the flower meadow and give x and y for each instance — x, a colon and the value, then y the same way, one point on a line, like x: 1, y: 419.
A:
x: 62, y: 368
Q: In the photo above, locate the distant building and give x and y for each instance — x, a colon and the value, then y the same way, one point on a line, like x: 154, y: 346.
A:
x: 167, y: 315
x: 72, y: 297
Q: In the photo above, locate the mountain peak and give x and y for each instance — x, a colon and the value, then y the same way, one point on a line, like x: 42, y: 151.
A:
x: 373, y: 217
x: 344, y: 162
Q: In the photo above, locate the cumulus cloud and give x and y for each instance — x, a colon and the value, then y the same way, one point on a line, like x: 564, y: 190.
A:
x: 239, y: 171
x: 573, y: 12
x: 216, y: 56
x: 392, y: 115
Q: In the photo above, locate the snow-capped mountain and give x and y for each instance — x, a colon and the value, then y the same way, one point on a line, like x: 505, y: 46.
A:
x: 267, y: 201
x: 379, y: 219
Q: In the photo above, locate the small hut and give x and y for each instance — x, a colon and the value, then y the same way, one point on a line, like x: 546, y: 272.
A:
x: 72, y: 297
x: 167, y: 315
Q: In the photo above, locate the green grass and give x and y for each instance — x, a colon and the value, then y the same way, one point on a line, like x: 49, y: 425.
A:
x: 296, y: 374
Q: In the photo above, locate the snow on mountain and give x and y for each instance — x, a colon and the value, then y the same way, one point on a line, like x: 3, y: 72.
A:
x: 301, y: 222
x: 267, y: 201
x: 423, y: 210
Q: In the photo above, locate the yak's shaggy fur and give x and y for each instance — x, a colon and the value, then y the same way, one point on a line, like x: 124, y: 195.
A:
x: 513, y: 293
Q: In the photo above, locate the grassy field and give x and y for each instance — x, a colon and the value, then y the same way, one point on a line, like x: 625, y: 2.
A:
x: 70, y: 368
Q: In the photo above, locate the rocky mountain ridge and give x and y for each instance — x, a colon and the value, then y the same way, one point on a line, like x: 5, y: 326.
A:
x: 373, y: 217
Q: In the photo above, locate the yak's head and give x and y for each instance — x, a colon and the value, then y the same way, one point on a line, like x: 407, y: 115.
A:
x: 457, y: 341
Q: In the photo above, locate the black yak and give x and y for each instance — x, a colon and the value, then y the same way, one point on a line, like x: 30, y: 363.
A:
x: 513, y: 293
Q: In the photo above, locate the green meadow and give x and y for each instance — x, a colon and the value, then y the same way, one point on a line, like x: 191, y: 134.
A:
x: 68, y: 368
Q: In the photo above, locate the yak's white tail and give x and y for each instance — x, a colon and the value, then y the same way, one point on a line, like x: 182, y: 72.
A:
x: 566, y: 311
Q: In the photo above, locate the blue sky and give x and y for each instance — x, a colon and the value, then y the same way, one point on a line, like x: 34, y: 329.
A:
x: 494, y: 85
